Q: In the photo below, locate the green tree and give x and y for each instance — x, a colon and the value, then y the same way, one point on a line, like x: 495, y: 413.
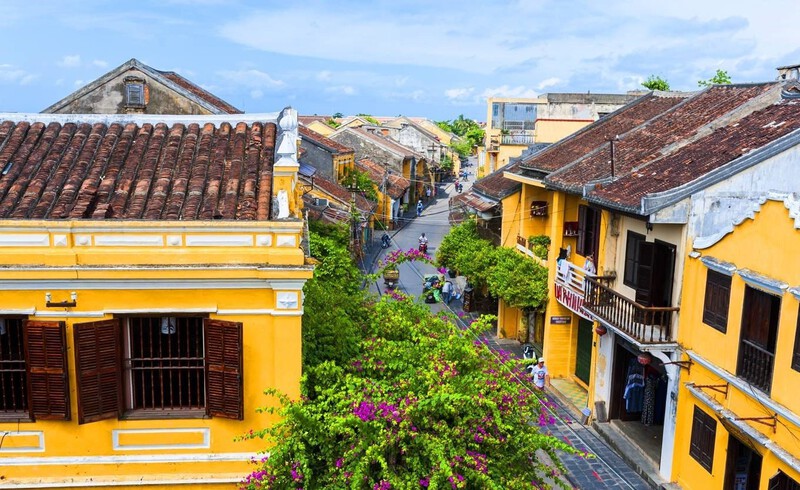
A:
x: 425, y: 405
x: 721, y: 77
x: 504, y: 280
x: 655, y: 82
x: 333, y: 301
x: 369, y: 118
x: 362, y: 182
x: 338, y: 115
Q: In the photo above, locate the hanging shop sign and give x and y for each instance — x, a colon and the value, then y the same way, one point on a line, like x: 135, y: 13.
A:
x: 572, y: 300
x: 560, y: 320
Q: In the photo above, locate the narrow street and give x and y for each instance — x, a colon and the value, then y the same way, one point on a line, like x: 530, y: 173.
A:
x: 606, y: 469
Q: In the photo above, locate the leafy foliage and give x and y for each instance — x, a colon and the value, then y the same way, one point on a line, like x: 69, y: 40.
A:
x: 540, y: 245
x: 721, y: 77
x: 499, y: 268
x: 655, y: 82
x: 369, y: 118
x: 359, y: 179
x: 425, y: 405
x: 446, y: 163
x: 519, y: 281
x: 332, y: 123
x: 470, y: 132
x: 334, y: 304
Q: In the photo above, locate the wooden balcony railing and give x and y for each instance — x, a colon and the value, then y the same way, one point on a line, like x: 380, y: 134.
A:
x: 646, y: 324
x: 755, y: 365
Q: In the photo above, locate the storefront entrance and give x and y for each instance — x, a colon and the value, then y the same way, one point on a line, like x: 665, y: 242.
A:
x: 638, y: 398
x: 743, y: 468
x: 583, y: 355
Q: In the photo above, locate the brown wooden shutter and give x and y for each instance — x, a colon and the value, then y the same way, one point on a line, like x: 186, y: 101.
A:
x: 46, y: 363
x: 583, y: 212
x: 224, y: 387
x: 98, y: 356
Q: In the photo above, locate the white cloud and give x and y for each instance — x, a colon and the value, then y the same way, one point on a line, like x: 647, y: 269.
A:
x: 251, y: 78
x: 100, y: 63
x: 324, y: 76
x: 79, y: 83
x: 341, y: 89
x: 12, y: 74
x: 70, y: 61
x: 549, y: 82
x: 256, y: 94
x: 459, y: 93
x: 519, y: 91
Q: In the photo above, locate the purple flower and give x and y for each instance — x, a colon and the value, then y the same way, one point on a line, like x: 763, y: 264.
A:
x: 365, y: 411
x: 424, y: 482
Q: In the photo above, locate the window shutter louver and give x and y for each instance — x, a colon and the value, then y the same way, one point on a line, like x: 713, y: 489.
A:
x: 224, y: 387
x: 97, y: 368
x: 46, y: 362
x: 582, y: 215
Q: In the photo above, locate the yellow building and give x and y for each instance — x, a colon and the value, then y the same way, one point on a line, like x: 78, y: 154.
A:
x: 151, y: 284
x: 681, y: 166
x: 738, y: 410
x: 514, y: 124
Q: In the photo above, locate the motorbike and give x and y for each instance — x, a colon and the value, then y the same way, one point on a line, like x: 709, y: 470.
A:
x: 423, y: 247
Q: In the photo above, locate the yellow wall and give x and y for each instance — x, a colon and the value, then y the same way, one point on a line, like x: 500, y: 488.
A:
x: 321, y: 128
x: 552, y: 130
x: 169, y: 275
x: 766, y: 245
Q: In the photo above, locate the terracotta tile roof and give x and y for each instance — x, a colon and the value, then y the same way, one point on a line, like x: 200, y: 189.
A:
x: 495, y: 185
x: 334, y: 146
x: 596, y: 135
x: 472, y: 200
x: 72, y: 170
x: 396, y: 185
x: 306, y: 120
x: 200, y: 92
x: 388, y: 143
x: 648, y: 141
x: 724, y: 145
x: 342, y: 194
x: 645, y: 156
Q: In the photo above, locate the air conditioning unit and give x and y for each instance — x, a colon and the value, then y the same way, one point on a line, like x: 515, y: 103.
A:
x: 318, y: 201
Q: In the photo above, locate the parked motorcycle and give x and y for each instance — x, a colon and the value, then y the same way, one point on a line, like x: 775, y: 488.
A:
x: 386, y: 242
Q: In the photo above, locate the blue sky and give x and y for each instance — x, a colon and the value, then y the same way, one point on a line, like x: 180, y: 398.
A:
x: 436, y: 59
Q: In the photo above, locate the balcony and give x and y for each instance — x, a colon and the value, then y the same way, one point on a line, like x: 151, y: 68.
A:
x: 755, y: 365
x: 570, y: 288
x: 518, y: 139
x: 645, y: 324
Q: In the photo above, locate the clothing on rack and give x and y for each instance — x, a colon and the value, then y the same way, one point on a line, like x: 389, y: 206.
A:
x: 649, y: 399
x: 634, y: 387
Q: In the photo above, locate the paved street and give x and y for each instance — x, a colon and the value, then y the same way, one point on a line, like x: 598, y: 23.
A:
x: 603, y: 470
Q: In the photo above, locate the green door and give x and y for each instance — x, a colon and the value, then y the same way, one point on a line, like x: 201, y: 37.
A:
x: 583, y: 357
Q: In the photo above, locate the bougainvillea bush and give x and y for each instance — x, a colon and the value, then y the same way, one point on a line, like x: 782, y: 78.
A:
x: 425, y: 405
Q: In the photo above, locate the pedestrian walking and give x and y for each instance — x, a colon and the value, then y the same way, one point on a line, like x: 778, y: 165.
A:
x: 541, y: 377
x: 427, y: 193
x: 419, y: 208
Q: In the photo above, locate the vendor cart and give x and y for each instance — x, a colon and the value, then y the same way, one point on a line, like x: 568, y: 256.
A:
x: 391, y: 277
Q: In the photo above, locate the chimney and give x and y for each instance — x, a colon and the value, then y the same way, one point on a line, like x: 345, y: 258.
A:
x: 789, y: 72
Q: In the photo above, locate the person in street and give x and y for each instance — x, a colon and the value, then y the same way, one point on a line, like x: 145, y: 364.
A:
x: 423, y: 243
x: 419, y: 208
x: 447, y: 292
x: 541, y: 377
x: 427, y: 193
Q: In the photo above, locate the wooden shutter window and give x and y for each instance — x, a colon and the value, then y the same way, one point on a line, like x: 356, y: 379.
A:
x: 48, y: 379
x: 224, y: 386
x: 98, y: 356
x: 704, y: 433
x: 716, y: 301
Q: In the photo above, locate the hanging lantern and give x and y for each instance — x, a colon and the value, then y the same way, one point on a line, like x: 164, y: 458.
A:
x: 645, y: 358
x: 600, y: 329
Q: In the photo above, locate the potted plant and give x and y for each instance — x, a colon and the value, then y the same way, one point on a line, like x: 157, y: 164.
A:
x: 539, y: 245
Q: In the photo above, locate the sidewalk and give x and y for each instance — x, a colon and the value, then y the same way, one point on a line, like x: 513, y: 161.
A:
x: 607, y: 469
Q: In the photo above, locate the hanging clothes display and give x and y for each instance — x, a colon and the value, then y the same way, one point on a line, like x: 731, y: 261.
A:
x: 634, y: 387
x: 649, y: 399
